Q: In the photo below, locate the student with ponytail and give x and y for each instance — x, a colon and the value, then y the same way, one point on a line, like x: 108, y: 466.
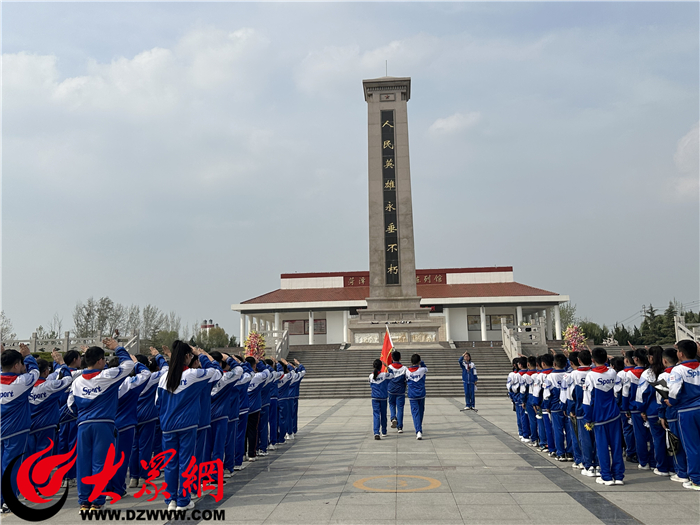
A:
x: 649, y: 409
x: 178, y: 392
x: 379, y: 382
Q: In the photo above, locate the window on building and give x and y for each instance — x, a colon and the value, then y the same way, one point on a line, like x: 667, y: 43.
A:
x: 474, y: 323
x: 295, y: 327
x: 319, y: 327
x: 496, y: 321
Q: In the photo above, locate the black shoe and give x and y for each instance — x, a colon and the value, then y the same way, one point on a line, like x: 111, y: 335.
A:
x: 561, y: 458
x: 376, y: 436
x: 394, y: 422
x: 633, y: 459
x: 569, y: 457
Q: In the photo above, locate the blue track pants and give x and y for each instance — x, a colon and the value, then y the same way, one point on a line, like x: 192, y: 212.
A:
x: 379, y: 415
x: 142, y: 449
x: 10, y: 448
x: 417, y: 411
x: 689, y: 425
x: 469, y: 394
x: 608, y: 442
x: 396, y: 406
x: 184, y: 444
x: 94, y: 440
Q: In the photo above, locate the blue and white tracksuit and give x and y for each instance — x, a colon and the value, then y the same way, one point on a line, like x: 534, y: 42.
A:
x: 526, y: 385
x: 552, y: 393
x: 179, y: 422
x: 222, y: 396
x: 275, y: 408
x: 536, y: 398
x: 642, y: 435
x: 415, y: 378
x: 670, y: 414
x: 202, y: 449
x: 146, y: 417
x: 627, y: 428
x: 521, y: 398
x: 243, y: 408
x: 299, y: 374
x: 67, y: 423
x: 45, y: 399
x: 255, y: 407
x: 15, y: 415
x: 126, y: 420
x: 264, y: 423
x: 380, y: 393
x: 572, y: 441
x: 469, y: 378
x: 240, y: 390
x: 285, y: 403
x: 510, y: 382
x: 585, y: 437
x: 397, y: 393
x: 600, y: 408
x: 94, y: 396
x: 684, y: 396
x: 646, y: 402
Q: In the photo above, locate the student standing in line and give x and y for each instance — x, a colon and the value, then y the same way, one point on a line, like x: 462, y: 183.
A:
x: 178, y: 393
x: 397, y: 392
x: 255, y: 405
x: 578, y: 378
x: 146, y: 417
x: 94, y: 397
x: 684, y: 395
x: 222, y: 397
x: 511, y: 386
x: 299, y: 373
x: 668, y: 417
x: 649, y: 409
x: 552, y: 392
x: 567, y: 385
x: 285, y: 402
x: 642, y: 434
x: 526, y: 382
x: 519, y: 387
x: 627, y: 428
x: 264, y: 423
x: 44, y: 402
x: 19, y: 374
x: 274, y: 403
x: 235, y: 444
x: 127, y: 418
x: 469, y: 378
x: 541, y: 406
x: 68, y: 422
x: 602, y: 414
x: 415, y: 377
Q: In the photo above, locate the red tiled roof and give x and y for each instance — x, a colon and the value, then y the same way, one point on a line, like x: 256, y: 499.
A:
x: 426, y: 291
x: 486, y: 269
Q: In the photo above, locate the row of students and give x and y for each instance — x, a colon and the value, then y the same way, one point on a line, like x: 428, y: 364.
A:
x: 594, y: 410
x: 391, y: 387
x: 144, y: 406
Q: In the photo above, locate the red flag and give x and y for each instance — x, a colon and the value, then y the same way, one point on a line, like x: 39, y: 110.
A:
x: 387, y: 348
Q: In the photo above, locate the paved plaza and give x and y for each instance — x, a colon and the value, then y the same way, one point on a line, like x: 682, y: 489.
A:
x: 469, y: 468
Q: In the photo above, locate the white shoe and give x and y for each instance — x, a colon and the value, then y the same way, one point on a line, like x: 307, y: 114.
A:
x: 419, y: 435
x: 189, y: 506
x: 643, y: 467
x: 590, y: 472
x: 383, y: 435
x: 677, y: 478
x: 619, y: 482
x: 525, y: 440
x: 252, y: 459
x: 577, y: 466
x: 133, y: 483
x: 400, y: 431
x: 236, y: 467
x: 228, y: 473
x: 659, y: 473
x: 172, y: 505
x: 272, y: 447
x: 465, y: 408
x: 691, y: 485
x: 601, y: 481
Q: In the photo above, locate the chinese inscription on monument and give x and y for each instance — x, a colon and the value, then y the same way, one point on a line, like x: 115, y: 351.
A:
x: 391, y: 227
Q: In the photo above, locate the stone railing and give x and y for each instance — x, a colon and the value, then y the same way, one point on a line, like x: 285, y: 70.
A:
x: 684, y: 331
x: 280, y: 339
x: 511, y: 345
x: 66, y: 343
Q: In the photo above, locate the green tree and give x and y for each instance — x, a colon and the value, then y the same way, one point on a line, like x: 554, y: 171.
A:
x: 212, y: 338
x: 621, y: 334
x: 233, y: 342
x: 594, y: 331
x: 567, y: 313
x: 165, y: 337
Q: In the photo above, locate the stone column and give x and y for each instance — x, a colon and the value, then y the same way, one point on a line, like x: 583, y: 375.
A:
x: 549, y: 325
x: 277, y: 321
x: 241, y: 331
x: 467, y: 317
x: 519, y: 313
x: 557, y: 322
x: 248, y: 325
x: 345, y: 326
x: 311, y: 327
x: 483, y: 323
x: 448, y: 335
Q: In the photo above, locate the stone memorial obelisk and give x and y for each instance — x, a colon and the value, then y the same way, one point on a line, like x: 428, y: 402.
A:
x: 392, y: 262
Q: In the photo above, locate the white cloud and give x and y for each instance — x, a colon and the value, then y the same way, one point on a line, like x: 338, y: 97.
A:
x: 455, y: 123
x: 687, y: 185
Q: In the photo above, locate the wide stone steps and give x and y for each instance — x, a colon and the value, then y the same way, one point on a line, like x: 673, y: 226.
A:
x: 334, y: 373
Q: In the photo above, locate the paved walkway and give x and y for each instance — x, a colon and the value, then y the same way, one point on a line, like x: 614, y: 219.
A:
x: 469, y: 468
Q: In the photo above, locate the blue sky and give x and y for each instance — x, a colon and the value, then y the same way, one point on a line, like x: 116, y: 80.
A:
x: 187, y: 154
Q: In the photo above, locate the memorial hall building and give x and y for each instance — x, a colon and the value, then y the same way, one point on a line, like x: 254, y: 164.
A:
x: 468, y: 303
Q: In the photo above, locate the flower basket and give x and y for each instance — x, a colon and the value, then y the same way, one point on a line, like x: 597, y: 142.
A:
x: 574, y: 339
x: 255, y: 345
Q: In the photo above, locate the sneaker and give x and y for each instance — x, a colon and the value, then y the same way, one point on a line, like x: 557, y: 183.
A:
x: 263, y: 453
x: 677, y: 478
x: 64, y: 484
x: 394, y: 423
x: 252, y: 459
x: 400, y: 431
x: 95, y: 508
x: 419, y: 435
x: 376, y: 437
x: 551, y: 454
x: 73, y: 482
x: 172, y: 505
x: 228, y: 473
x: 577, y: 466
x: 525, y: 440
x: 561, y: 458
x: 133, y: 483
x: 84, y: 508
x: 189, y: 506
x: 643, y: 467
x: 601, y: 481
x: 272, y: 447
x: 691, y: 485
x: 590, y: 472
x: 5, y: 509
x: 619, y: 482
x: 384, y: 434
x: 236, y: 467
x: 632, y: 459
x: 659, y: 473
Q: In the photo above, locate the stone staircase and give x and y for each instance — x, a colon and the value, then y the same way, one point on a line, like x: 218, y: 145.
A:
x: 334, y: 373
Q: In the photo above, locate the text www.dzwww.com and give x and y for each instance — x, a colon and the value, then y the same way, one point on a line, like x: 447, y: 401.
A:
x: 154, y: 515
